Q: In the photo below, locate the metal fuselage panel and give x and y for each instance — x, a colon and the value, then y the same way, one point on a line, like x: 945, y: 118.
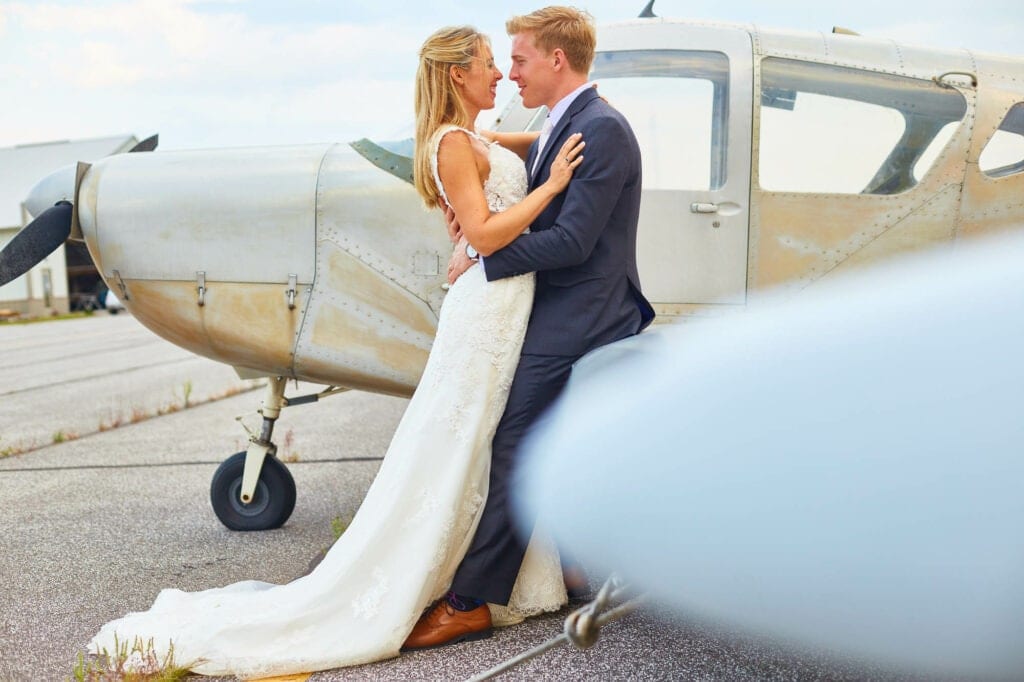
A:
x: 797, y: 238
x: 802, y: 237
x: 365, y: 257
x: 993, y: 204
x: 239, y: 215
x: 381, y: 265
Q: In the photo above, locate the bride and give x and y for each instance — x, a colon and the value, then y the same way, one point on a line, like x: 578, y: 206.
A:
x: 402, y: 548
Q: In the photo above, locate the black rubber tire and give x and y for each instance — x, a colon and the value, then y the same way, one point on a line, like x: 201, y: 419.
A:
x: 272, y: 502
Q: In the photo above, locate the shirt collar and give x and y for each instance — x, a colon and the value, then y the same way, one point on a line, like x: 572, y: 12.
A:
x: 555, y: 115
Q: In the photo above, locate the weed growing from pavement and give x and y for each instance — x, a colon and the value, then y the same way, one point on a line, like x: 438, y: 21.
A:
x: 136, y: 415
x: 64, y: 436
x: 10, y: 450
x: 139, y: 663
x: 186, y: 392
x: 286, y: 452
x: 112, y: 422
x: 232, y: 390
x: 339, y: 526
x: 47, y: 318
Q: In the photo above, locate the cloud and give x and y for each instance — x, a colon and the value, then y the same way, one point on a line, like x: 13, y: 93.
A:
x: 167, y: 42
x: 216, y: 72
x: 204, y: 73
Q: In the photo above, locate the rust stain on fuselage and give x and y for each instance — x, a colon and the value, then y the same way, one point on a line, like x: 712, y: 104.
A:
x: 364, y: 330
x: 248, y: 325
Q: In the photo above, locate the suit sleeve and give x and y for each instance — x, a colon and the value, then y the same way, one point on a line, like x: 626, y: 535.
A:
x: 589, y: 200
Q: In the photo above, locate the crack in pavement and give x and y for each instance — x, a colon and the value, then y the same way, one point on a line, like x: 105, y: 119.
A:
x: 82, y: 467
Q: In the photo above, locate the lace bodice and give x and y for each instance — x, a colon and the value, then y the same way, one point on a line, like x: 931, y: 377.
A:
x: 506, y: 184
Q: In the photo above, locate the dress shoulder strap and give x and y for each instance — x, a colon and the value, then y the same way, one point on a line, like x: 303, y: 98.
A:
x: 435, y: 144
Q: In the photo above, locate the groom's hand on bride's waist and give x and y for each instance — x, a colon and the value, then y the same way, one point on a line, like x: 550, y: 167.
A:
x: 460, y: 261
x: 454, y: 229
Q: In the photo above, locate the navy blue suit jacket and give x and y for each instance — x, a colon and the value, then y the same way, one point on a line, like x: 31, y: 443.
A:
x: 583, y: 245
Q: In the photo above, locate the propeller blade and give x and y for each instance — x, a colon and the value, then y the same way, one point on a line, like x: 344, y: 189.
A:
x: 147, y: 145
x: 36, y: 241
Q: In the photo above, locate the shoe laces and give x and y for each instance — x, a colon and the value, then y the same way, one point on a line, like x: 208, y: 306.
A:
x: 436, y: 609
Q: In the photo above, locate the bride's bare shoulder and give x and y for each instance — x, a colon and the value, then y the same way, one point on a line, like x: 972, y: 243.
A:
x: 460, y: 147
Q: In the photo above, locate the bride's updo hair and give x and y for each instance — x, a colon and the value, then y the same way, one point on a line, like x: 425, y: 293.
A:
x: 437, y: 100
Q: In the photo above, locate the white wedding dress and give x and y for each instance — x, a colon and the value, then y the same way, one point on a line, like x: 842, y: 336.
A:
x: 402, y: 548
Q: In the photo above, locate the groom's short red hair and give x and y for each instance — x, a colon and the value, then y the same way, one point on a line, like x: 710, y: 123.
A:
x: 567, y: 28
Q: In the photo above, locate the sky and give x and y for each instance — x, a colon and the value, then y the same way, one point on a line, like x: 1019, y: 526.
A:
x: 225, y: 73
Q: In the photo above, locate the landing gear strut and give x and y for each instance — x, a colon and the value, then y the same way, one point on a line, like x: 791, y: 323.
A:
x: 253, y: 490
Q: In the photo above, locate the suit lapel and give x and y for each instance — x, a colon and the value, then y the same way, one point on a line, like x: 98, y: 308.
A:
x: 556, y: 141
x: 530, y: 156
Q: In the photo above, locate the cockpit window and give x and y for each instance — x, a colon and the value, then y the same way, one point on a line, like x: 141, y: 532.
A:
x: 678, y: 105
x: 834, y: 129
x: 1004, y: 153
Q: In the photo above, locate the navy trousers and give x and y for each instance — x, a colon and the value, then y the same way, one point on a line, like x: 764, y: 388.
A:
x: 491, y: 565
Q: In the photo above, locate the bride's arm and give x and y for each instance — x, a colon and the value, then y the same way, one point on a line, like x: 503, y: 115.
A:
x: 519, y: 143
x: 486, y: 231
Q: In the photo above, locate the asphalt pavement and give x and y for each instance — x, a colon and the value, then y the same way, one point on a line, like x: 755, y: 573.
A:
x: 106, y: 500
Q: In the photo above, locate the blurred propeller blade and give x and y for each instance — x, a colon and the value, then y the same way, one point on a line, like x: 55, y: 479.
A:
x: 35, y: 242
x: 147, y: 145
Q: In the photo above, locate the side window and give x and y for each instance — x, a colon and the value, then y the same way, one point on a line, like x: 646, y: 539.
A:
x: 1004, y: 153
x: 934, y: 148
x: 834, y: 129
x: 678, y: 105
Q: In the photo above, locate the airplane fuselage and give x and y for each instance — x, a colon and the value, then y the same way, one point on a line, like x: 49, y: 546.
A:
x: 771, y: 160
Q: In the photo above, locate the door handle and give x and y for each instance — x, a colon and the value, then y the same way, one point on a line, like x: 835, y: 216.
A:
x: 700, y: 207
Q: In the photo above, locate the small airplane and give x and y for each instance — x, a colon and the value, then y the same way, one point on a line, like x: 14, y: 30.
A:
x: 773, y: 160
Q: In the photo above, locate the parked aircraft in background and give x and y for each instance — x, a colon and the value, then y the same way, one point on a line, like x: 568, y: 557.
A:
x: 773, y: 160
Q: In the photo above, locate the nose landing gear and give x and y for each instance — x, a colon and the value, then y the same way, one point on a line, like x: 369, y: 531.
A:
x: 253, y: 490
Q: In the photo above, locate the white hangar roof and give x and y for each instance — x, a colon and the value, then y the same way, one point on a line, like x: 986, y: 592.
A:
x: 21, y: 167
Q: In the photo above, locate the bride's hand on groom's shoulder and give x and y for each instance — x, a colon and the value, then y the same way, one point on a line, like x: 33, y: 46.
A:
x: 568, y: 158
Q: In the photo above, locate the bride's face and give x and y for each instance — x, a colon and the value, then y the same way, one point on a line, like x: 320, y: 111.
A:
x: 479, y: 82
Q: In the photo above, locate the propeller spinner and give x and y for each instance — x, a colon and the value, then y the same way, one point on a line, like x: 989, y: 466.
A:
x: 51, y: 228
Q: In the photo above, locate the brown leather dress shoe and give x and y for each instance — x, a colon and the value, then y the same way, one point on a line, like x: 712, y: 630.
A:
x: 444, y: 624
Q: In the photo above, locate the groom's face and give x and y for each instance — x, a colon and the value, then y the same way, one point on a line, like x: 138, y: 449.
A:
x: 531, y: 71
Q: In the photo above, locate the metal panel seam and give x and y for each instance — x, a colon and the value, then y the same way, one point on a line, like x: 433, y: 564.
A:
x: 299, y: 328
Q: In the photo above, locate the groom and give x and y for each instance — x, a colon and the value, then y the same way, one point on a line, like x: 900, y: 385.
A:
x: 583, y: 249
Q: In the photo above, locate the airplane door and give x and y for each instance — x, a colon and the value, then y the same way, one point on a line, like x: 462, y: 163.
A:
x: 688, y: 95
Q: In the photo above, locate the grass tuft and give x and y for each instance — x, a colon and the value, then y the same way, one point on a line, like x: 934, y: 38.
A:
x: 135, y: 415
x: 339, y: 526
x: 10, y: 451
x: 138, y: 663
x: 44, y: 318
x: 61, y: 436
x: 186, y: 394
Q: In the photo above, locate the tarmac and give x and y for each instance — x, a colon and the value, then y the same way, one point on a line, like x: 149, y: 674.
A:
x: 111, y: 436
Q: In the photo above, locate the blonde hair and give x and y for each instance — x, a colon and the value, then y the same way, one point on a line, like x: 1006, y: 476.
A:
x: 567, y: 28
x: 437, y: 100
